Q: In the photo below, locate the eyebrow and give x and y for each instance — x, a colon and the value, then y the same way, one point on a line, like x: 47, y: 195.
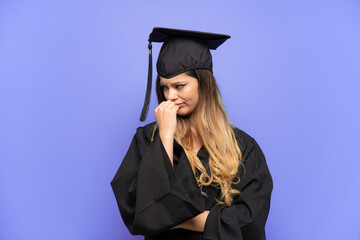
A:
x: 174, y: 83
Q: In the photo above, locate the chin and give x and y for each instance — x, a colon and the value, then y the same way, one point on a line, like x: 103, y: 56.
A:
x: 184, y: 112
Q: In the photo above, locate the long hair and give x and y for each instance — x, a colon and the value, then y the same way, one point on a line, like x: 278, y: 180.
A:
x: 216, y: 134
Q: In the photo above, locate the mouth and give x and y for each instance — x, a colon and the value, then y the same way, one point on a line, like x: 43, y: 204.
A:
x: 179, y: 105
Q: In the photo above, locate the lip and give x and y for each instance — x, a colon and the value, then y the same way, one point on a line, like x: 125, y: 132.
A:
x: 179, y: 104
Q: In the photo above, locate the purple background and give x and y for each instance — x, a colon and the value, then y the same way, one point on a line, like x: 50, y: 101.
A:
x: 72, y: 82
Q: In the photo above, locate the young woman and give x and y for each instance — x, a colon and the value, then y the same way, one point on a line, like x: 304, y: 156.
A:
x: 191, y: 174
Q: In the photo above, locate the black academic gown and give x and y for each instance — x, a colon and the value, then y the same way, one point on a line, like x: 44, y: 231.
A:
x: 153, y: 196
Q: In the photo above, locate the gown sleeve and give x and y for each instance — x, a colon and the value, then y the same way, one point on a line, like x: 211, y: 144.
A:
x: 150, y: 195
x: 245, y: 219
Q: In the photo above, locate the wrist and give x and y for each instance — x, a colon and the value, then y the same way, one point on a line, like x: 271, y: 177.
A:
x: 166, y: 137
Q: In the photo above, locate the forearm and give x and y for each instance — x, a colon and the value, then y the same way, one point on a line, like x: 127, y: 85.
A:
x: 196, y: 223
x: 168, y: 143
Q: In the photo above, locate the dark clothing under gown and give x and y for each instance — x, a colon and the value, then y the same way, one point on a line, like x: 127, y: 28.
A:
x: 153, y: 196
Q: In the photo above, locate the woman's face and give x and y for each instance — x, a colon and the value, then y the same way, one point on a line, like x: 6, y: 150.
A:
x: 183, y: 90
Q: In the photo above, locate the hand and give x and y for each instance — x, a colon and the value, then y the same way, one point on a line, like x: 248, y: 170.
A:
x: 196, y: 223
x: 165, y: 115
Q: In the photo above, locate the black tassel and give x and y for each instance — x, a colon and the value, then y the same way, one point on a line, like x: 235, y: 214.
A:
x: 145, y: 108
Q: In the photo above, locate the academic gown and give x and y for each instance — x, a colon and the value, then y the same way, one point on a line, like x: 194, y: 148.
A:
x: 153, y: 196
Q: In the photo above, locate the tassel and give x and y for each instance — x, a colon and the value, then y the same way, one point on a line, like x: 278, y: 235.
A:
x: 145, y: 108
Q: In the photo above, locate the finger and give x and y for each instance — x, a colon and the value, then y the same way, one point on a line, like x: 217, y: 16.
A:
x: 175, y: 106
x: 168, y: 104
x: 161, y: 105
x: 174, y: 109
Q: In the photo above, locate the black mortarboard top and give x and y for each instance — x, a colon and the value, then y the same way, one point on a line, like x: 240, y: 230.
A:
x: 183, y: 50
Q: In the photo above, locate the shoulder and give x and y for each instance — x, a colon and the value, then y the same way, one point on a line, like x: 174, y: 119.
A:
x: 245, y: 141
x: 146, y: 131
x: 252, y: 155
x: 241, y: 136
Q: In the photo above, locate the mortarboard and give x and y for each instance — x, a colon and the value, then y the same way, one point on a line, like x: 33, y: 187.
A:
x: 182, y: 50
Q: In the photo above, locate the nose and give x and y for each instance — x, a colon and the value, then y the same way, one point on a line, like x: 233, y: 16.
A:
x: 172, y: 94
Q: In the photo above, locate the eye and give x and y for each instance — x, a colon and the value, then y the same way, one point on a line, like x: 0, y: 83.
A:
x: 180, y: 86
x: 162, y: 87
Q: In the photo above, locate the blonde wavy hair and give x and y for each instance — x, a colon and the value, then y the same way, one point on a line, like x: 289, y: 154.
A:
x: 217, y: 135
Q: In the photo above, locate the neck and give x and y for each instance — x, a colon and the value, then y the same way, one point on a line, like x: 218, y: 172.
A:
x: 193, y: 125
x: 197, y: 143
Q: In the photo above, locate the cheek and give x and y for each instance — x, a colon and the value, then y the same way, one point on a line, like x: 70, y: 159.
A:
x: 195, y: 96
x: 192, y: 94
x: 165, y: 94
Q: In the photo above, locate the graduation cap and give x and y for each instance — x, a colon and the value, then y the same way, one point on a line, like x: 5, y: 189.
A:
x: 182, y: 50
